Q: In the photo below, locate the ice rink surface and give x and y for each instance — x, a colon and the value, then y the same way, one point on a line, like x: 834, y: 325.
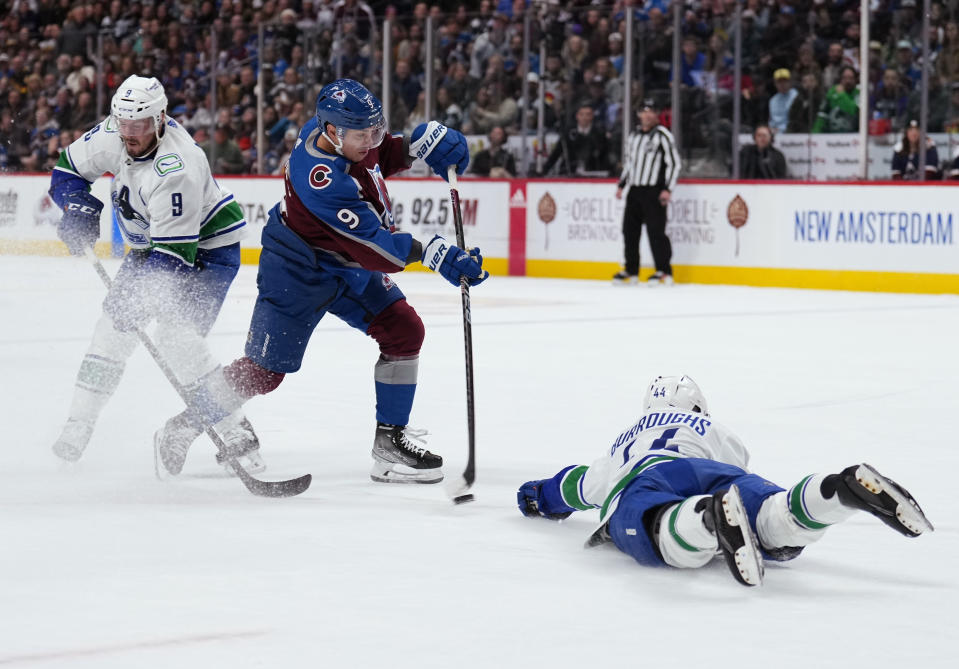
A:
x: 103, y: 566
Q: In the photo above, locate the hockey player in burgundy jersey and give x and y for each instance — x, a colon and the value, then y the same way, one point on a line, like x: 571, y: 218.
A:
x: 328, y: 247
x: 673, y: 489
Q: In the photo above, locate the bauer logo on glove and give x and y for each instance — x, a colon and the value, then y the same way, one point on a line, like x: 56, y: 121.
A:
x: 440, y: 147
x: 452, y: 262
x: 424, y: 145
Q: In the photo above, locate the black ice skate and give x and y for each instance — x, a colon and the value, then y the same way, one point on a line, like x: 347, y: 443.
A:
x: 621, y: 278
x: 242, y: 443
x: 862, y: 487
x: 660, y: 279
x: 171, y: 444
x: 397, y: 459
x: 725, y: 516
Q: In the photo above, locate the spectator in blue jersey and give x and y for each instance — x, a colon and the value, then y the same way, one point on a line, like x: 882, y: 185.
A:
x: 890, y: 100
x: 780, y: 103
x: 329, y: 247
x: 674, y: 490
x: 692, y: 62
x: 909, y: 72
x: 905, y: 160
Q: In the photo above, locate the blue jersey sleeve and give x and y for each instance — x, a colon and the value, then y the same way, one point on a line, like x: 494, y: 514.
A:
x: 552, y: 501
x: 65, y: 181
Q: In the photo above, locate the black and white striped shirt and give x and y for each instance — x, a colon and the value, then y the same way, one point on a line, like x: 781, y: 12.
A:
x: 651, y: 159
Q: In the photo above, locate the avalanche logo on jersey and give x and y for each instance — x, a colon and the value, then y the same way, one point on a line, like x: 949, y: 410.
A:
x: 320, y: 176
x: 384, y: 197
x: 131, y: 221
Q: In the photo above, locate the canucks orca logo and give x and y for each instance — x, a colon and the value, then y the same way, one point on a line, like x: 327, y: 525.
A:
x: 131, y: 221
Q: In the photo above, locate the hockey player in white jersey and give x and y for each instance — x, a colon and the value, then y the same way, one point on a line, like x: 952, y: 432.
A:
x: 183, y: 230
x: 674, y: 489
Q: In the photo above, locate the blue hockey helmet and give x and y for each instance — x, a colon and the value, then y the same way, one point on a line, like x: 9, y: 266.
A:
x: 349, y: 105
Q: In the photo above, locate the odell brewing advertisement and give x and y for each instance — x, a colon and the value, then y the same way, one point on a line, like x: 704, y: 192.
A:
x: 579, y: 221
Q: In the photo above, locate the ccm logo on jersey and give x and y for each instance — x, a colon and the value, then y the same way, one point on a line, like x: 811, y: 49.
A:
x: 320, y: 176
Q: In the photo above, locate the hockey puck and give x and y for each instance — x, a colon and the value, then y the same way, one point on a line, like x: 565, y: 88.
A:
x: 463, y: 499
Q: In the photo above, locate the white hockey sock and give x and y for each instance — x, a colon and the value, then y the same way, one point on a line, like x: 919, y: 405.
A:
x: 776, y: 527
x: 683, y: 539
x: 800, y: 516
x: 810, y: 509
x: 101, y: 370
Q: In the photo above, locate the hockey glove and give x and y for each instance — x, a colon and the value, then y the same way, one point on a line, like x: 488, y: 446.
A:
x: 79, y: 227
x: 452, y: 262
x: 440, y: 147
x: 531, y: 503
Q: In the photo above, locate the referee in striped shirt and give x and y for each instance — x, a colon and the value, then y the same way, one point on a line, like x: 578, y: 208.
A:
x: 650, y: 169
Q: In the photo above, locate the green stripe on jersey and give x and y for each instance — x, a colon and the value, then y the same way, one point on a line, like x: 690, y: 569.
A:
x: 796, y: 506
x: 570, y: 489
x: 64, y: 163
x: 625, y: 481
x: 675, y: 534
x: 186, y: 251
x: 227, y: 217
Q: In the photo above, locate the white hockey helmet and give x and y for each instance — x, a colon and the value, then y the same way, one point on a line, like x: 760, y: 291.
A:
x: 140, y: 98
x: 679, y: 392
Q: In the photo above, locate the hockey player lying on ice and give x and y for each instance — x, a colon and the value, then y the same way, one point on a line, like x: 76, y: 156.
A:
x: 674, y: 489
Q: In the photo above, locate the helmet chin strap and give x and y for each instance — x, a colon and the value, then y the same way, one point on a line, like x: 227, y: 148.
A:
x: 157, y: 128
x: 336, y: 147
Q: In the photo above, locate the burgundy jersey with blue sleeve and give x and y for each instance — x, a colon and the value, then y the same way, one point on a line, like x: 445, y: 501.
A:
x: 343, y: 209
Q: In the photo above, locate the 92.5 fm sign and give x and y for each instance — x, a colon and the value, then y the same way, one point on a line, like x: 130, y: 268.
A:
x: 432, y: 212
x: 422, y: 207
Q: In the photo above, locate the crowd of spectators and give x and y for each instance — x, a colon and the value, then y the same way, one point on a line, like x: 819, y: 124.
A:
x: 800, y: 70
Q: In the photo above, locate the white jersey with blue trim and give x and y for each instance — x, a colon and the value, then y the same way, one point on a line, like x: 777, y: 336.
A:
x: 658, y: 436
x: 166, y: 198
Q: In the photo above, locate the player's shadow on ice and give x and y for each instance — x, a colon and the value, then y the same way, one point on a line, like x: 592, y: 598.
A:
x: 801, y: 579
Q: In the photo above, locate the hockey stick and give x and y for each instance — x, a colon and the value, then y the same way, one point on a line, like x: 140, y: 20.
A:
x: 460, y: 489
x: 256, y: 486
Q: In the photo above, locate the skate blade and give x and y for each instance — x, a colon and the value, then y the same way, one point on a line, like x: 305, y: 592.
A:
x: 162, y: 473
x: 158, y: 468
x: 749, y: 559
x: 908, y: 512
x: 388, y: 472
